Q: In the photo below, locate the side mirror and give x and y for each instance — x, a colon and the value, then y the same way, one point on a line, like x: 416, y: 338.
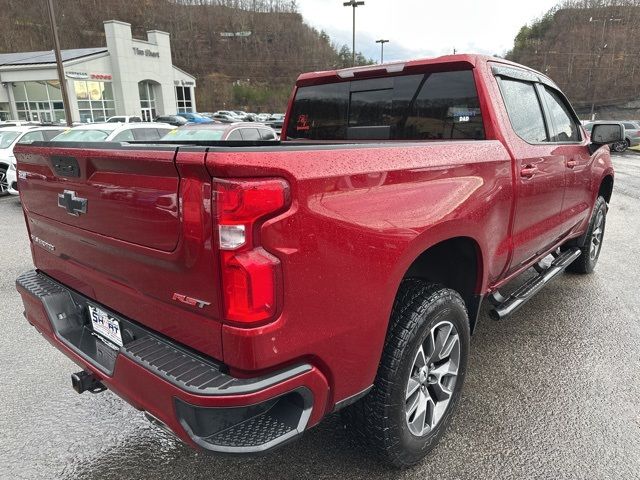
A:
x: 606, y: 134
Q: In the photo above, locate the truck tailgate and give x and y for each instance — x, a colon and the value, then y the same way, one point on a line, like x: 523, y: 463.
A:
x: 130, y: 228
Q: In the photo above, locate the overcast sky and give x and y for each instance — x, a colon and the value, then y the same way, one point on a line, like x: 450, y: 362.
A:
x: 425, y: 28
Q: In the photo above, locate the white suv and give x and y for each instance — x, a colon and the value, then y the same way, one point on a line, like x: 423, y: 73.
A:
x: 9, y: 137
x: 124, y: 119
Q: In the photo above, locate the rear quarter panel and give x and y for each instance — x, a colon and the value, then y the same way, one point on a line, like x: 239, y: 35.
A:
x: 360, y: 217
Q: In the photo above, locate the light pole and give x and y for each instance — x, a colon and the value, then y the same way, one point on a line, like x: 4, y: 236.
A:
x: 354, y: 4
x: 382, y: 42
x: 603, y: 46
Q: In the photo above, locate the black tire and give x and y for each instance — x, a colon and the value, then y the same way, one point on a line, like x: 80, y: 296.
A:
x: 380, y: 420
x: 588, y: 259
x: 4, y: 185
x: 620, y: 147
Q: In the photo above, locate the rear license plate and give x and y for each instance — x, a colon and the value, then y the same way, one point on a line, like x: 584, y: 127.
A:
x: 105, y: 325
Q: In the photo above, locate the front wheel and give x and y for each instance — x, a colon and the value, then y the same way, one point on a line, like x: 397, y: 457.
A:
x: 420, y: 376
x: 588, y: 259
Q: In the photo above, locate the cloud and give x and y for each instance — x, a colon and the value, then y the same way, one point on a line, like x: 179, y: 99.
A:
x: 419, y: 28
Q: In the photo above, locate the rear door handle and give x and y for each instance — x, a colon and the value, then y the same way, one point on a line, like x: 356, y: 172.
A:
x: 572, y: 163
x: 528, y: 171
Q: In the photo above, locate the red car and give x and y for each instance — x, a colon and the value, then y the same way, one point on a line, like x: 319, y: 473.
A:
x: 240, y: 293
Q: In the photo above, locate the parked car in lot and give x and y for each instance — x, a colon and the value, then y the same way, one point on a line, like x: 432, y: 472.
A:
x: 631, y: 137
x: 176, y: 120
x: 238, y: 294
x: 124, y: 119
x: 214, y: 132
x: 225, y: 116
x: 18, y: 123
x: 114, y: 132
x: 9, y: 138
x: 194, y: 117
x: 275, y: 121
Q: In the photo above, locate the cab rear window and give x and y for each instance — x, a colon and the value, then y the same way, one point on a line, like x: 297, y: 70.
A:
x: 432, y: 106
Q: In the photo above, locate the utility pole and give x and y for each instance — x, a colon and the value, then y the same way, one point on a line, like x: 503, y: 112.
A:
x: 603, y: 46
x: 56, y: 46
x: 382, y: 42
x: 354, y: 4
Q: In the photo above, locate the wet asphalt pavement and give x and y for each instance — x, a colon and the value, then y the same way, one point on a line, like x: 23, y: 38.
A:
x: 553, y: 392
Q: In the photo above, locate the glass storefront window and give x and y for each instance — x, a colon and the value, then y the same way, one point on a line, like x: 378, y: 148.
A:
x: 36, y: 90
x: 95, y: 90
x: 55, y: 93
x: 81, y: 90
x: 36, y: 101
x: 183, y: 99
x: 95, y: 100
x: 18, y: 92
x: 5, y: 111
x: 147, y: 101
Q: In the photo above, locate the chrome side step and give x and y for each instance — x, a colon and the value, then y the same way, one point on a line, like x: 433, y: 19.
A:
x: 503, y: 307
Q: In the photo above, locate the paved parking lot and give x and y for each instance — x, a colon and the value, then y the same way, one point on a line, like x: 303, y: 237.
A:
x: 553, y: 392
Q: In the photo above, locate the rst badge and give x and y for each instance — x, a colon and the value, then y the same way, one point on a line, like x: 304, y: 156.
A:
x: 73, y: 204
x: 194, y: 302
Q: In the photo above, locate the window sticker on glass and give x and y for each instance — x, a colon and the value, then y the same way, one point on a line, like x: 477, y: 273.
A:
x: 303, y: 123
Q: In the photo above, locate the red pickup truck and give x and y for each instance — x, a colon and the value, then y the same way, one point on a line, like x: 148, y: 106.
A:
x: 238, y: 292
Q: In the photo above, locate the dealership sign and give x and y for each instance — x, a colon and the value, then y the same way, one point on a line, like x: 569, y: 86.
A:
x: 78, y: 75
x: 88, y: 76
x: 146, y: 52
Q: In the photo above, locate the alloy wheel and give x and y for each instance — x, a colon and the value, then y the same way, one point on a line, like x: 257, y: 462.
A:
x: 620, y: 146
x: 4, y: 184
x: 432, y: 378
x: 596, y: 236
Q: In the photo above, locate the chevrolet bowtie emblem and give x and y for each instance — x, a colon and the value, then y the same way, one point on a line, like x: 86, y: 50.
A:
x: 73, y: 205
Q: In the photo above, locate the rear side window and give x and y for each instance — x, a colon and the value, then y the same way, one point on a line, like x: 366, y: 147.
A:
x: 250, y: 134
x: 524, y: 110
x: 432, y: 106
x: 565, y: 128
x: 146, y: 134
x: 630, y: 126
x: 32, y: 137
x: 268, y: 134
x: 123, y: 136
x: 49, y: 134
x: 235, y: 136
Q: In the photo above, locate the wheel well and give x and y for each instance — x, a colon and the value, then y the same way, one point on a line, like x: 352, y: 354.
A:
x: 606, y: 188
x: 455, y: 263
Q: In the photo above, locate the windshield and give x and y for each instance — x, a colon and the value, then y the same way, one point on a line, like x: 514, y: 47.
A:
x: 194, y: 134
x: 7, y: 138
x: 81, y: 136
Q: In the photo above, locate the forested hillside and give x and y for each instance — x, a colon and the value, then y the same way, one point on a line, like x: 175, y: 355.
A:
x: 590, y: 48
x: 254, y: 71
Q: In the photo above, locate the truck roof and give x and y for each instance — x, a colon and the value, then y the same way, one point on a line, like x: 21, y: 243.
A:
x: 455, y: 61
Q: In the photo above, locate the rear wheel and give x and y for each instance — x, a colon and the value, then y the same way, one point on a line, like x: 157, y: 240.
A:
x: 588, y: 259
x: 420, y: 377
x: 4, y: 184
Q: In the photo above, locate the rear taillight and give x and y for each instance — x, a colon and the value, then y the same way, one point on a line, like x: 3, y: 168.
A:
x: 250, y: 274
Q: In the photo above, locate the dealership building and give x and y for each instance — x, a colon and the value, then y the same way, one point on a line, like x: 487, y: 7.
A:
x: 127, y: 77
